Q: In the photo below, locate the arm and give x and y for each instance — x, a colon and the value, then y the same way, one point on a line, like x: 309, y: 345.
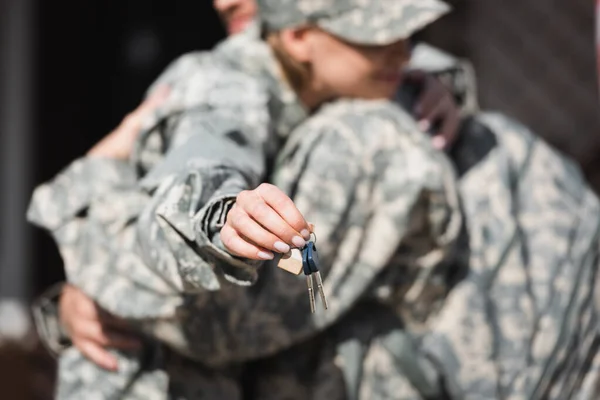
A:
x: 105, y: 167
x: 65, y: 316
x: 374, y: 200
x: 71, y: 191
x: 217, y: 125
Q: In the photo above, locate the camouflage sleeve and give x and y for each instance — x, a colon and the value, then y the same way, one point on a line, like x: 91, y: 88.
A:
x: 47, y: 322
x: 530, y: 294
x: 173, y: 215
x: 215, y: 154
x: 178, y: 68
x: 136, y: 252
x: 72, y: 190
x: 382, y: 192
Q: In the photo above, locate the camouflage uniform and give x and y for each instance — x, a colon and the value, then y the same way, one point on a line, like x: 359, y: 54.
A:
x: 521, y: 322
x: 164, y: 267
x: 521, y: 317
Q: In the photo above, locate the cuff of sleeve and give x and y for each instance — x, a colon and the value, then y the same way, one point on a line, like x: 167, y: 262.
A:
x: 240, y: 271
x: 47, y: 322
x: 194, y: 238
x: 68, y: 194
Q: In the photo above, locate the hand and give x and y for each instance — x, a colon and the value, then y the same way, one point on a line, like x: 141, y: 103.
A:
x: 92, y: 329
x: 263, y: 221
x: 119, y: 143
x: 436, y: 105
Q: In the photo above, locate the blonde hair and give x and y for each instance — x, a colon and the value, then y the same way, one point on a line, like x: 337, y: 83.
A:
x: 296, y: 73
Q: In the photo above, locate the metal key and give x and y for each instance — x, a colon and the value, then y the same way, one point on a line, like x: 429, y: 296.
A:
x: 310, y: 265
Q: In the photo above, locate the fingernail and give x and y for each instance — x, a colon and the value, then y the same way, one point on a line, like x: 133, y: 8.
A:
x: 438, y: 142
x: 305, y: 234
x: 265, y: 255
x: 298, y: 242
x: 423, y: 125
x: 281, y: 247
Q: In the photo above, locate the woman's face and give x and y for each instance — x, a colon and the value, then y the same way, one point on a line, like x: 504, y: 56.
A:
x: 342, y: 69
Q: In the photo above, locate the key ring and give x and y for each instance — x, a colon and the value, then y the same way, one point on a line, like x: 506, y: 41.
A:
x: 315, y: 235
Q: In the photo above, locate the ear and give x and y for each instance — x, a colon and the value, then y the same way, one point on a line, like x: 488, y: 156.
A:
x: 296, y: 43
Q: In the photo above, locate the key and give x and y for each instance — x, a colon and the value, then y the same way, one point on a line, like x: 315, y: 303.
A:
x: 309, y: 280
x: 313, y: 261
x: 311, y: 293
x: 310, y: 266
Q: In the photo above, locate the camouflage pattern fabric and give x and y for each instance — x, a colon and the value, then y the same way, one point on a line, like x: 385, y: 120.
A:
x: 522, y: 322
x: 367, y: 22
x: 369, y: 216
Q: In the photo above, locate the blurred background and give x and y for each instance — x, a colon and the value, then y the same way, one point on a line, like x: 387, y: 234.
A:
x: 70, y: 71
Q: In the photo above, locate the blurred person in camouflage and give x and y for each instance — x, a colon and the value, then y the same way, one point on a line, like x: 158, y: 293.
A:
x: 141, y: 295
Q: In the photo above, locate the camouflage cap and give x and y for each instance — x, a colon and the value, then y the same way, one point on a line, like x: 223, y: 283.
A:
x: 366, y: 22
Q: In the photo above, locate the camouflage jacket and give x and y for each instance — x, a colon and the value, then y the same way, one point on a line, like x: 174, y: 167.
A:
x: 520, y: 319
x: 521, y: 322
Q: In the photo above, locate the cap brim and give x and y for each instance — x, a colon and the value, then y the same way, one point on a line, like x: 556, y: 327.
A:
x: 384, y: 22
